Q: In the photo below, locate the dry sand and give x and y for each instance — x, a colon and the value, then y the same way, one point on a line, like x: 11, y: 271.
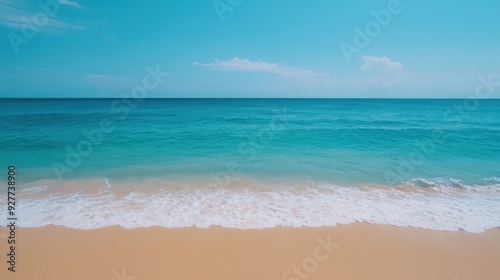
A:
x: 357, y: 251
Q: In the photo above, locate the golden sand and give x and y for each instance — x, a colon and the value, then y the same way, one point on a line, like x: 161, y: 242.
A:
x: 356, y: 251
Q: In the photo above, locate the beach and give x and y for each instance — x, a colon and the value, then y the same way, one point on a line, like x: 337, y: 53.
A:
x: 355, y: 251
x: 250, y: 189
x: 249, y: 140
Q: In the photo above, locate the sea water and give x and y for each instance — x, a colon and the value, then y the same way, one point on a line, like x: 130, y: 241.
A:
x: 253, y: 163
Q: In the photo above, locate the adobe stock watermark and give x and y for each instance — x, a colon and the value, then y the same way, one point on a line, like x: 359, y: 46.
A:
x: 122, y: 276
x: 122, y: 107
x: 249, y: 149
x: 459, y: 112
x: 31, y: 27
x: 309, y: 265
x: 223, y: 6
x: 363, y: 37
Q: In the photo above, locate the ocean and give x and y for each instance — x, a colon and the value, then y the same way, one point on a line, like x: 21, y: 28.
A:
x: 253, y: 163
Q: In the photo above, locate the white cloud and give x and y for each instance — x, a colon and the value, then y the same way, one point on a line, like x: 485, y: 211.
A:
x: 14, y: 14
x: 377, y: 62
x: 52, y: 25
x: 246, y: 65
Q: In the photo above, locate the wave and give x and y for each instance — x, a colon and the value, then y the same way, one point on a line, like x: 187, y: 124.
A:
x: 437, y: 204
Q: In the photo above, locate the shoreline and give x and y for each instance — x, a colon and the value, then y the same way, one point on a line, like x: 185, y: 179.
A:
x: 354, y: 251
x: 256, y: 206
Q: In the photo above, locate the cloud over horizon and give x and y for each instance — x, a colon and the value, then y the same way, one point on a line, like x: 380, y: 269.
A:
x: 381, y: 62
x: 245, y: 65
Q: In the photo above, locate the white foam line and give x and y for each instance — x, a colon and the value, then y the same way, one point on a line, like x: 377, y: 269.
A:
x: 444, y: 209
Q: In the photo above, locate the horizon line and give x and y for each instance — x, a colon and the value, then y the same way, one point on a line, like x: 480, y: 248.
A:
x: 366, y: 98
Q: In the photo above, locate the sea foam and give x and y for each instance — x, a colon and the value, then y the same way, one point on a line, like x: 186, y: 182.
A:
x: 437, y: 204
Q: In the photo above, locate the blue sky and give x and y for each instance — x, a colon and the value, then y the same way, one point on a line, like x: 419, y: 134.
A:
x: 240, y: 48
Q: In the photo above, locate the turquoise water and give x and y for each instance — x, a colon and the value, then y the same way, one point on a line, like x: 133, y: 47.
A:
x: 229, y: 144
x: 346, y: 141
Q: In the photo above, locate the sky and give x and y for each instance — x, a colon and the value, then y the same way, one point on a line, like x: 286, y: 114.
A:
x: 241, y: 48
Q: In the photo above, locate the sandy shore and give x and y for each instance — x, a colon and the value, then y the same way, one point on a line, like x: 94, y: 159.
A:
x: 357, y: 251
